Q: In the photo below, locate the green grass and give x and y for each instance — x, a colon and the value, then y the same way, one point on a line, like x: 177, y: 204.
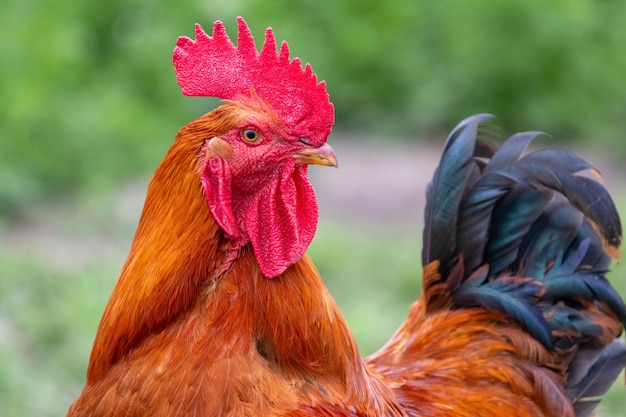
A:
x: 49, y: 311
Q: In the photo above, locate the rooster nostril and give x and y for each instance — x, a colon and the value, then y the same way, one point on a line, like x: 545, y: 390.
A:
x: 306, y: 141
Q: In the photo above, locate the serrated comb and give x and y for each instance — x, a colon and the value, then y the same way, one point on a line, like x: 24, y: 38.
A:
x: 213, y: 66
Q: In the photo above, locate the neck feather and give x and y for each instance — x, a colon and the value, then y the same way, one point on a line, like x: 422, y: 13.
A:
x: 177, y: 246
x: 293, y: 327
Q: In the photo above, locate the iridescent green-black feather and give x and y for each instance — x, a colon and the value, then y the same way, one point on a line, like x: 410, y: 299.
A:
x: 456, y: 170
x: 532, y: 235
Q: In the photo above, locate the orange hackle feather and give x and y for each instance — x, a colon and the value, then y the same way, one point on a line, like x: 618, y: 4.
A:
x: 150, y: 295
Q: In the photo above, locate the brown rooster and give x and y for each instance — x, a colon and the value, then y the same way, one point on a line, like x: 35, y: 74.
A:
x: 219, y: 312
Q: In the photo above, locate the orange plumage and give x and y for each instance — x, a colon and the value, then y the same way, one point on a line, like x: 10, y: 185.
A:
x: 218, y: 313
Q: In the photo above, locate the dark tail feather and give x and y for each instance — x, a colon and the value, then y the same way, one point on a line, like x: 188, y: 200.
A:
x: 591, y: 374
x: 445, y: 191
x: 530, y: 236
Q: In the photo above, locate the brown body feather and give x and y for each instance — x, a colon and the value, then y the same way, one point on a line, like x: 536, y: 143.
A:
x: 248, y: 346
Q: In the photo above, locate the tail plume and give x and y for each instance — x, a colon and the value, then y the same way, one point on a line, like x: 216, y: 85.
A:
x: 530, y: 235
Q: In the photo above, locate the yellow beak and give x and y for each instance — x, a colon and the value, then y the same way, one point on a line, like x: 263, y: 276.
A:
x: 324, y: 155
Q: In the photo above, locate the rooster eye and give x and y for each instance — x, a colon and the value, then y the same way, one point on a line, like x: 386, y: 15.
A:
x: 250, y: 135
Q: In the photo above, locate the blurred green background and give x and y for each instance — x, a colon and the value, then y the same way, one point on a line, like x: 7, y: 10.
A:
x: 90, y: 105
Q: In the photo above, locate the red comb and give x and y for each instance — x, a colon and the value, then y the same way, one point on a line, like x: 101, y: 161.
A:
x: 212, y: 66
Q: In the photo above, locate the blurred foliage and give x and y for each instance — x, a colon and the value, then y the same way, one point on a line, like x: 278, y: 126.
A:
x: 42, y: 358
x: 90, y: 97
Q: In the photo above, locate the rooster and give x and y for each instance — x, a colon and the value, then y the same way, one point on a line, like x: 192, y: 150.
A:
x: 219, y: 312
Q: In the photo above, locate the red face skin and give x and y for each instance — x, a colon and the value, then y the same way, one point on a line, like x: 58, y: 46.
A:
x: 256, y: 184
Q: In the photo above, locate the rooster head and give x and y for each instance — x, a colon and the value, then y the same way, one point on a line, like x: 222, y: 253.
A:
x: 274, y: 122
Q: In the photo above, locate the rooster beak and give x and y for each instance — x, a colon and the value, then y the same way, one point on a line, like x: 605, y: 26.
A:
x: 324, y: 155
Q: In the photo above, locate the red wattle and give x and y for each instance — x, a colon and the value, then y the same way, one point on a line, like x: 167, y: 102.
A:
x: 282, y: 220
